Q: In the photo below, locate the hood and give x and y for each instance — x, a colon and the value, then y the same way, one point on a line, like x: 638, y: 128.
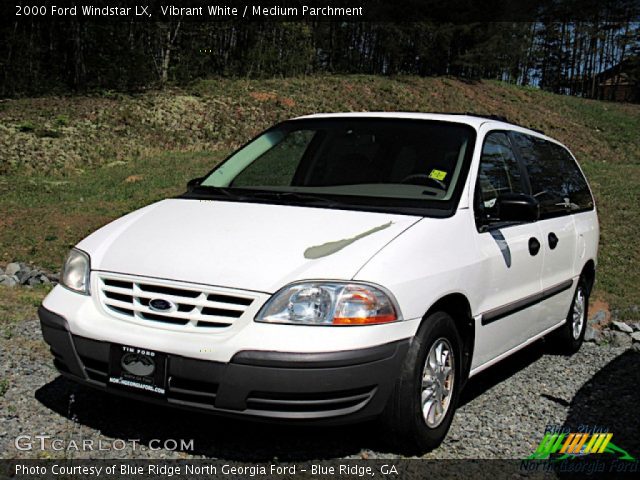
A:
x: 249, y: 246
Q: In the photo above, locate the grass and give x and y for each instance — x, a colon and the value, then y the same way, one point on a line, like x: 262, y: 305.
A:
x: 61, y: 212
x: 18, y: 304
x: 111, y: 155
x: 4, y: 386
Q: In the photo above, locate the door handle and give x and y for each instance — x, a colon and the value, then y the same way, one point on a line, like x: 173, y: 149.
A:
x: 534, y: 246
x: 553, y: 240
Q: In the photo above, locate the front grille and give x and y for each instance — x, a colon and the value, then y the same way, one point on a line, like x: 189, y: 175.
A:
x: 200, y: 306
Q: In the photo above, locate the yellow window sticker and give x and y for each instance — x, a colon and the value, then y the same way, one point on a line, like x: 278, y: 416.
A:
x: 438, y: 174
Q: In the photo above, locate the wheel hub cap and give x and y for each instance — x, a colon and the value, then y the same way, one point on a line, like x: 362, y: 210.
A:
x: 438, y: 376
x: 578, y: 313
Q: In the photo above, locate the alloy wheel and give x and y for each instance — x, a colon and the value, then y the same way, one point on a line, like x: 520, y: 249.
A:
x: 438, y: 377
x: 579, y: 308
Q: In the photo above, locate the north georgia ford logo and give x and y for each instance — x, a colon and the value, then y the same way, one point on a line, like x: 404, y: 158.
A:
x: 162, y: 305
x: 137, y: 364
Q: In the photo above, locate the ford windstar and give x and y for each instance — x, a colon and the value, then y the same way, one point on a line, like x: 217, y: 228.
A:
x: 337, y: 268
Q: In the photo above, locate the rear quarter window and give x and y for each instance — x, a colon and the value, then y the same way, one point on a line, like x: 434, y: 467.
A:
x: 556, y: 181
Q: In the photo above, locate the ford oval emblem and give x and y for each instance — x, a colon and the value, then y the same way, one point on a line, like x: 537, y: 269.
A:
x: 162, y: 305
x: 139, y: 365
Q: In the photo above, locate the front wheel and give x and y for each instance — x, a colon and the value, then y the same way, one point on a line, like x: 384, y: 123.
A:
x: 424, y: 399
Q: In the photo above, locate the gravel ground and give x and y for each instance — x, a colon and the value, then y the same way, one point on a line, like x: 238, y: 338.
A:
x: 503, y: 412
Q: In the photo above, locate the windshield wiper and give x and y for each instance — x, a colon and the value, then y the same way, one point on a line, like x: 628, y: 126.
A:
x: 295, y: 196
x: 248, y: 195
x: 224, y: 191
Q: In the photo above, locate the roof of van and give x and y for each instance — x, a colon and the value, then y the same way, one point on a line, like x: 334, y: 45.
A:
x: 474, y: 120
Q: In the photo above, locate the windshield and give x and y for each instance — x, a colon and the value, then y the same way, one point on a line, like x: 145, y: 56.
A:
x: 389, y: 164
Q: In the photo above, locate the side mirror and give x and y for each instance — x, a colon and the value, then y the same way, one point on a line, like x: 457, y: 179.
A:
x: 193, y: 183
x: 518, y: 207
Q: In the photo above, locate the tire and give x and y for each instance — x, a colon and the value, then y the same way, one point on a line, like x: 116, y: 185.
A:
x: 569, y: 337
x: 403, y: 420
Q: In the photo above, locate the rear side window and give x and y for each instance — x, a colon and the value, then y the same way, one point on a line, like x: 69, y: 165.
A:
x: 556, y: 180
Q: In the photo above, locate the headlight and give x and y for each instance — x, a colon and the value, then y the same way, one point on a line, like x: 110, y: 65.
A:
x: 75, y: 271
x: 329, y: 303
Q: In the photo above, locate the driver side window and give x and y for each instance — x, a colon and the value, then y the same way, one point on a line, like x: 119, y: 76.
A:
x: 498, y: 174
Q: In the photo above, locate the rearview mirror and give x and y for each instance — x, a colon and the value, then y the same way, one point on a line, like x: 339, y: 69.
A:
x: 518, y: 207
x: 193, y: 183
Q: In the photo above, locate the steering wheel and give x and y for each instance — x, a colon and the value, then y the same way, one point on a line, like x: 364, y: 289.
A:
x: 423, y: 179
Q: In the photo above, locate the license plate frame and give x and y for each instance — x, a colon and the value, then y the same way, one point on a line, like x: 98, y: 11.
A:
x: 138, y: 370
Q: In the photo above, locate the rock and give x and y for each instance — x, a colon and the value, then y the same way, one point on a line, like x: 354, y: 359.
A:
x: 635, y: 336
x: 619, y: 339
x: 636, y: 326
x: 622, y: 327
x: 591, y: 334
x: 12, y: 268
x: 599, y: 317
x: 28, y: 275
x: 23, y: 274
x: 8, y: 281
x: 605, y: 336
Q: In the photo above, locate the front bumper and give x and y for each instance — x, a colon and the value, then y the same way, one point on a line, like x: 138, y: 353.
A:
x: 332, y: 387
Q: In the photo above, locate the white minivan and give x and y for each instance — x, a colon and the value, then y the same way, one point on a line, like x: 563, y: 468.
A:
x: 337, y: 268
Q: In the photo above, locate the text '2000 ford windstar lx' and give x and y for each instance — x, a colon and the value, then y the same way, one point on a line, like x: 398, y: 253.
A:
x: 337, y: 268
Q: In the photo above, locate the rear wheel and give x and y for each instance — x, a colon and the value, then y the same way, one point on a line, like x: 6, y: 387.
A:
x: 568, y: 338
x: 423, y: 402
